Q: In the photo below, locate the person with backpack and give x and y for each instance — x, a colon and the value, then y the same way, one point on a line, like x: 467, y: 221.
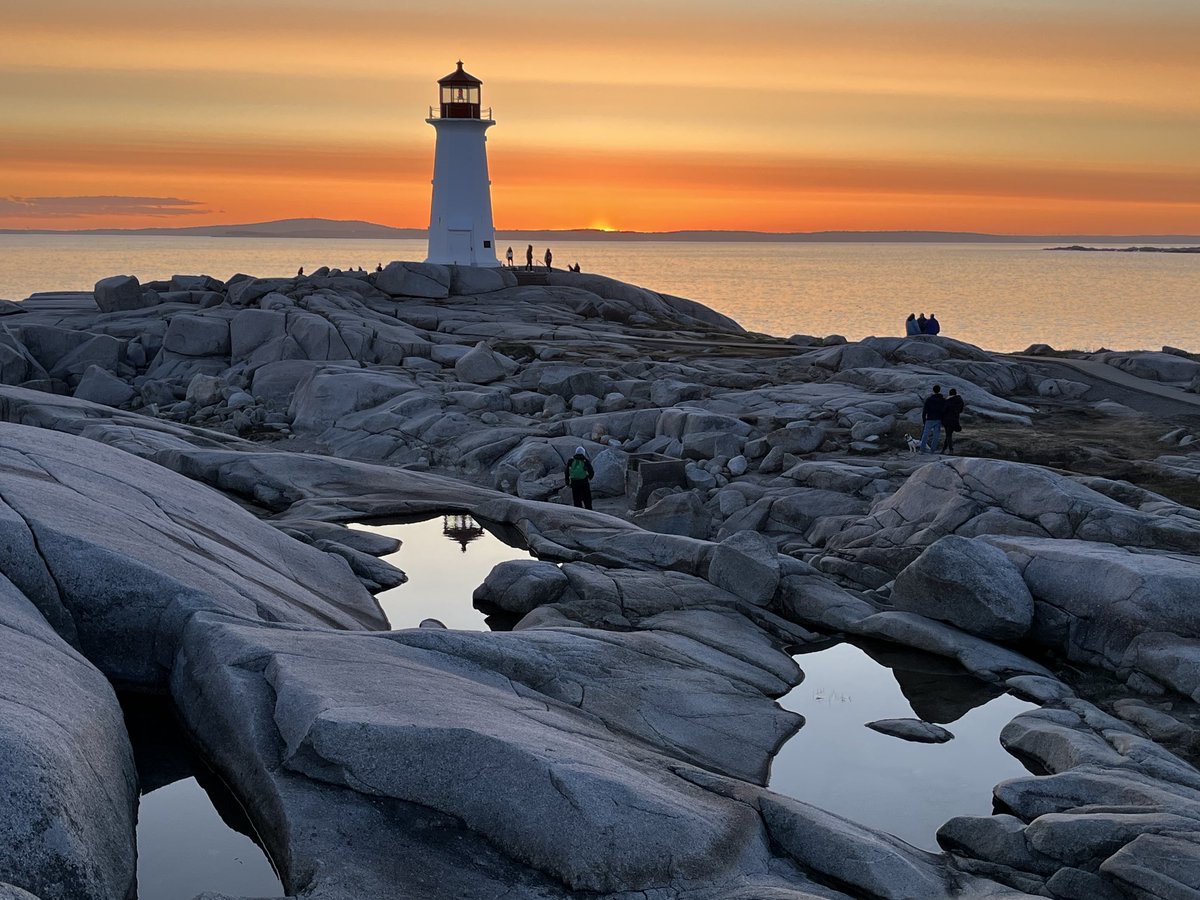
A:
x: 579, y: 475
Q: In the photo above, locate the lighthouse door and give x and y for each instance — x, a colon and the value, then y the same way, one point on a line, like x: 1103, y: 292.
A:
x: 460, y: 247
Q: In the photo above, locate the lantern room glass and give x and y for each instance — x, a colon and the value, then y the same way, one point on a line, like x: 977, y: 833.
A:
x: 460, y: 101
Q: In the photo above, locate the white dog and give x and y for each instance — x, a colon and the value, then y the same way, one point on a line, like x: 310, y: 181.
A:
x: 914, y: 446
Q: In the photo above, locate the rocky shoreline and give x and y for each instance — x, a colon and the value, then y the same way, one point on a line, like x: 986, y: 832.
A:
x: 181, y: 460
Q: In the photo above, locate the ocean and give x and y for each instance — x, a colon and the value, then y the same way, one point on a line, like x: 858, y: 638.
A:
x: 1000, y: 296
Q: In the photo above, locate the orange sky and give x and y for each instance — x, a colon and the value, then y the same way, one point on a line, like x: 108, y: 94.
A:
x: 1022, y: 116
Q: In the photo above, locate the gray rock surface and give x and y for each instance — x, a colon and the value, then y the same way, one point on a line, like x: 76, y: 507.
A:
x: 117, y: 553
x: 120, y: 293
x: 536, y: 711
x: 912, y: 730
x: 409, y: 279
x: 521, y: 586
x: 483, y: 365
x: 99, y: 386
x: 632, y: 706
x: 746, y: 564
x: 1114, y: 607
x: 967, y: 583
x: 66, y: 768
x: 681, y: 513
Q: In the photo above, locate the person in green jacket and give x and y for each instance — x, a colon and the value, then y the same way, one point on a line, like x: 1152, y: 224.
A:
x: 579, y: 474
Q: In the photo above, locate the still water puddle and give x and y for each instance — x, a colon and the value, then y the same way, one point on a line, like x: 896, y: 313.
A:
x: 905, y: 788
x: 192, y: 834
x: 445, y: 559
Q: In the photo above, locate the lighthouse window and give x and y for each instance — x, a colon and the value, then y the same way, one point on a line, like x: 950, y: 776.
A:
x: 460, y: 94
x: 487, y: 244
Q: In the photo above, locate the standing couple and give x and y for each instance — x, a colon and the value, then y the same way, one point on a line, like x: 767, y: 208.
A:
x: 940, y: 412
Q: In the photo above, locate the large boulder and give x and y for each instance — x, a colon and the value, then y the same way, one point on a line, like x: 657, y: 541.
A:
x: 119, y: 293
x: 467, y: 280
x: 197, y: 336
x: 681, y: 513
x: 746, y: 564
x: 482, y: 365
x: 412, y: 279
x: 257, y: 336
x: 101, y: 386
x: 521, y: 585
x: 1115, y: 608
x: 66, y: 769
x: 610, y: 466
x: 967, y: 583
x: 17, y: 364
x: 798, y: 437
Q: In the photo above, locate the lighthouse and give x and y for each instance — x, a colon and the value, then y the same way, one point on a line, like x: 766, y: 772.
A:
x: 460, y: 216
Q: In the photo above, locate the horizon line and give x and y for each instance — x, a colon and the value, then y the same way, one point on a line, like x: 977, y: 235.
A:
x: 414, y: 231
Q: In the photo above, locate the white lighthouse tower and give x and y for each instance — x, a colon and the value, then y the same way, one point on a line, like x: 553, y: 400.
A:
x: 460, y: 216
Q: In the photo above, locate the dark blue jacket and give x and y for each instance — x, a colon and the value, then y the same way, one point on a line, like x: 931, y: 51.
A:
x: 932, y: 325
x: 935, y: 408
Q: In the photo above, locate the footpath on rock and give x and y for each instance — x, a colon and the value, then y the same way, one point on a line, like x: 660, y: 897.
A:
x: 181, y: 460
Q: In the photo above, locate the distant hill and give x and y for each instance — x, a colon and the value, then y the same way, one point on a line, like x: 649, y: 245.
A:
x: 335, y: 228
x: 280, y: 228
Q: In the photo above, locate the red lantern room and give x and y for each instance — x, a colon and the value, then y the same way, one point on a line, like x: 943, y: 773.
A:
x: 460, y: 95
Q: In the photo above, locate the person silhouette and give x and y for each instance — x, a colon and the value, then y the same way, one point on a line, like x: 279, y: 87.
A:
x: 529, y: 257
x: 509, y: 257
x: 549, y: 257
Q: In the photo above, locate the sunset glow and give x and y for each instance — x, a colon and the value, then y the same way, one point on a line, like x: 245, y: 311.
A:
x: 1019, y: 116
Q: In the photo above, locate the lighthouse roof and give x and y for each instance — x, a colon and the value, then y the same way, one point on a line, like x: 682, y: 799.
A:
x: 459, y: 76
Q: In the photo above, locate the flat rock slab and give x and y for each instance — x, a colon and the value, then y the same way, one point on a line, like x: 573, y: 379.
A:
x: 912, y: 730
x: 967, y: 583
x: 555, y: 745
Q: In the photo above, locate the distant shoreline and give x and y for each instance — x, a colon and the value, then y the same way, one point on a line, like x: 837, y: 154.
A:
x: 1078, y: 249
x: 332, y: 229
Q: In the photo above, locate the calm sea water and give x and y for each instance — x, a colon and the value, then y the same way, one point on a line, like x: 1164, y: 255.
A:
x: 1004, y: 297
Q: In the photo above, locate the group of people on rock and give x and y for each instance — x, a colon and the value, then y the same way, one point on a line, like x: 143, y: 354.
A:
x: 378, y: 268
x: 940, y: 413
x: 549, y: 258
x: 915, y: 324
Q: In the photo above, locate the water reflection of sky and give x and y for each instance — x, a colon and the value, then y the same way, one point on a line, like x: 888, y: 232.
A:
x: 184, y: 848
x: 191, y: 837
x: 443, y: 572
x: 905, y: 788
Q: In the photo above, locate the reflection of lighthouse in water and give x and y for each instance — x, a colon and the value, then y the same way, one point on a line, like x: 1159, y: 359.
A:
x: 460, y: 214
x: 461, y: 529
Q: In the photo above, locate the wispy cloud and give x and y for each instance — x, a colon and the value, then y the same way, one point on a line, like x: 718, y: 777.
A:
x: 74, y: 207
